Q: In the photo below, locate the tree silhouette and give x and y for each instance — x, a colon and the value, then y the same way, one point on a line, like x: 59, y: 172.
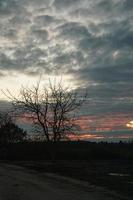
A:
x: 10, y: 133
x: 50, y: 108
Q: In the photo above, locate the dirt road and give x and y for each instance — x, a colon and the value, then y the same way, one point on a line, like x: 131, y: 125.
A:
x: 18, y: 183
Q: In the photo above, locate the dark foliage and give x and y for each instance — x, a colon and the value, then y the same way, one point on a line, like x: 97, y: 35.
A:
x: 10, y: 133
x: 68, y: 151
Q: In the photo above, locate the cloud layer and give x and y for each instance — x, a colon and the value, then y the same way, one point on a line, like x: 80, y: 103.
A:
x: 92, y: 41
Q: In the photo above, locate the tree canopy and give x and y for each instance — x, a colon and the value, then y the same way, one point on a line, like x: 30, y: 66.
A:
x: 9, y: 131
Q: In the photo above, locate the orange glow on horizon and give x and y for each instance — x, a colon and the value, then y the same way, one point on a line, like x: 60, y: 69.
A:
x: 84, y: 137
x: 100, y: 123
x: 95, y: 127
x: 130, y: 124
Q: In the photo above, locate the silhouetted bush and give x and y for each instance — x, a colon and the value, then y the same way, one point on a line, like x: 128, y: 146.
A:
x: 10, y: 133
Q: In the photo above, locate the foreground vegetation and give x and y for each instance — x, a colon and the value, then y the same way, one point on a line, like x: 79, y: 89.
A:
x: 78, y: 150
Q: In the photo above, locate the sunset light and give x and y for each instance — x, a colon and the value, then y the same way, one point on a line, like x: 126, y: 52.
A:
x: 130, y: 124
x: 66, y: 99
x: 86, y: 43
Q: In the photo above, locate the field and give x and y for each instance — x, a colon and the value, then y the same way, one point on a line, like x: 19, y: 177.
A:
x: 100, y: 164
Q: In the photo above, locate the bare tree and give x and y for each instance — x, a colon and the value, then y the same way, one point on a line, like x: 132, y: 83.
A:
x: 50, y: 108
x: 64, y: 102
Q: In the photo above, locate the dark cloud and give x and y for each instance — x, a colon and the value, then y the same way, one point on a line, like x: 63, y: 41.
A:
x: 40, y: 35
x: 5, y: 105
x: 128, y: 4
x: 92, y: 41
x: 23, y: 58
x: 46, y: 20
x: 34, y: 3
x: 18, y: 21
x: 6, y: 62
x: 7, y: 7
x: 9, y: 33
x: 111, y: 74
x: 73, y: 31
x: 65, y: 4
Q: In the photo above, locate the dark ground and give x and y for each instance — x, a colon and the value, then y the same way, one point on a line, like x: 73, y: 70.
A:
x: 19, y: 183
x: 103, y: 164
x: 113, y: 175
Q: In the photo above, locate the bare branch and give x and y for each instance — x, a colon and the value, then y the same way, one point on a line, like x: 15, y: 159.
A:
x: 49, y: 108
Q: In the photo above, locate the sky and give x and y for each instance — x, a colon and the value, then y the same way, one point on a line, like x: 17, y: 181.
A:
x: 89, y: 43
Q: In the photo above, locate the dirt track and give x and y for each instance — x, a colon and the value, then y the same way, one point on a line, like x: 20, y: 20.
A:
x: 17, y: 183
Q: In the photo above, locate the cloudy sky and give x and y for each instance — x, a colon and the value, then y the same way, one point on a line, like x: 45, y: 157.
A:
x: 88, y: 42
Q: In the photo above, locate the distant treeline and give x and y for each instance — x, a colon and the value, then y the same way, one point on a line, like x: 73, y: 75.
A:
x: 77, y: 150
